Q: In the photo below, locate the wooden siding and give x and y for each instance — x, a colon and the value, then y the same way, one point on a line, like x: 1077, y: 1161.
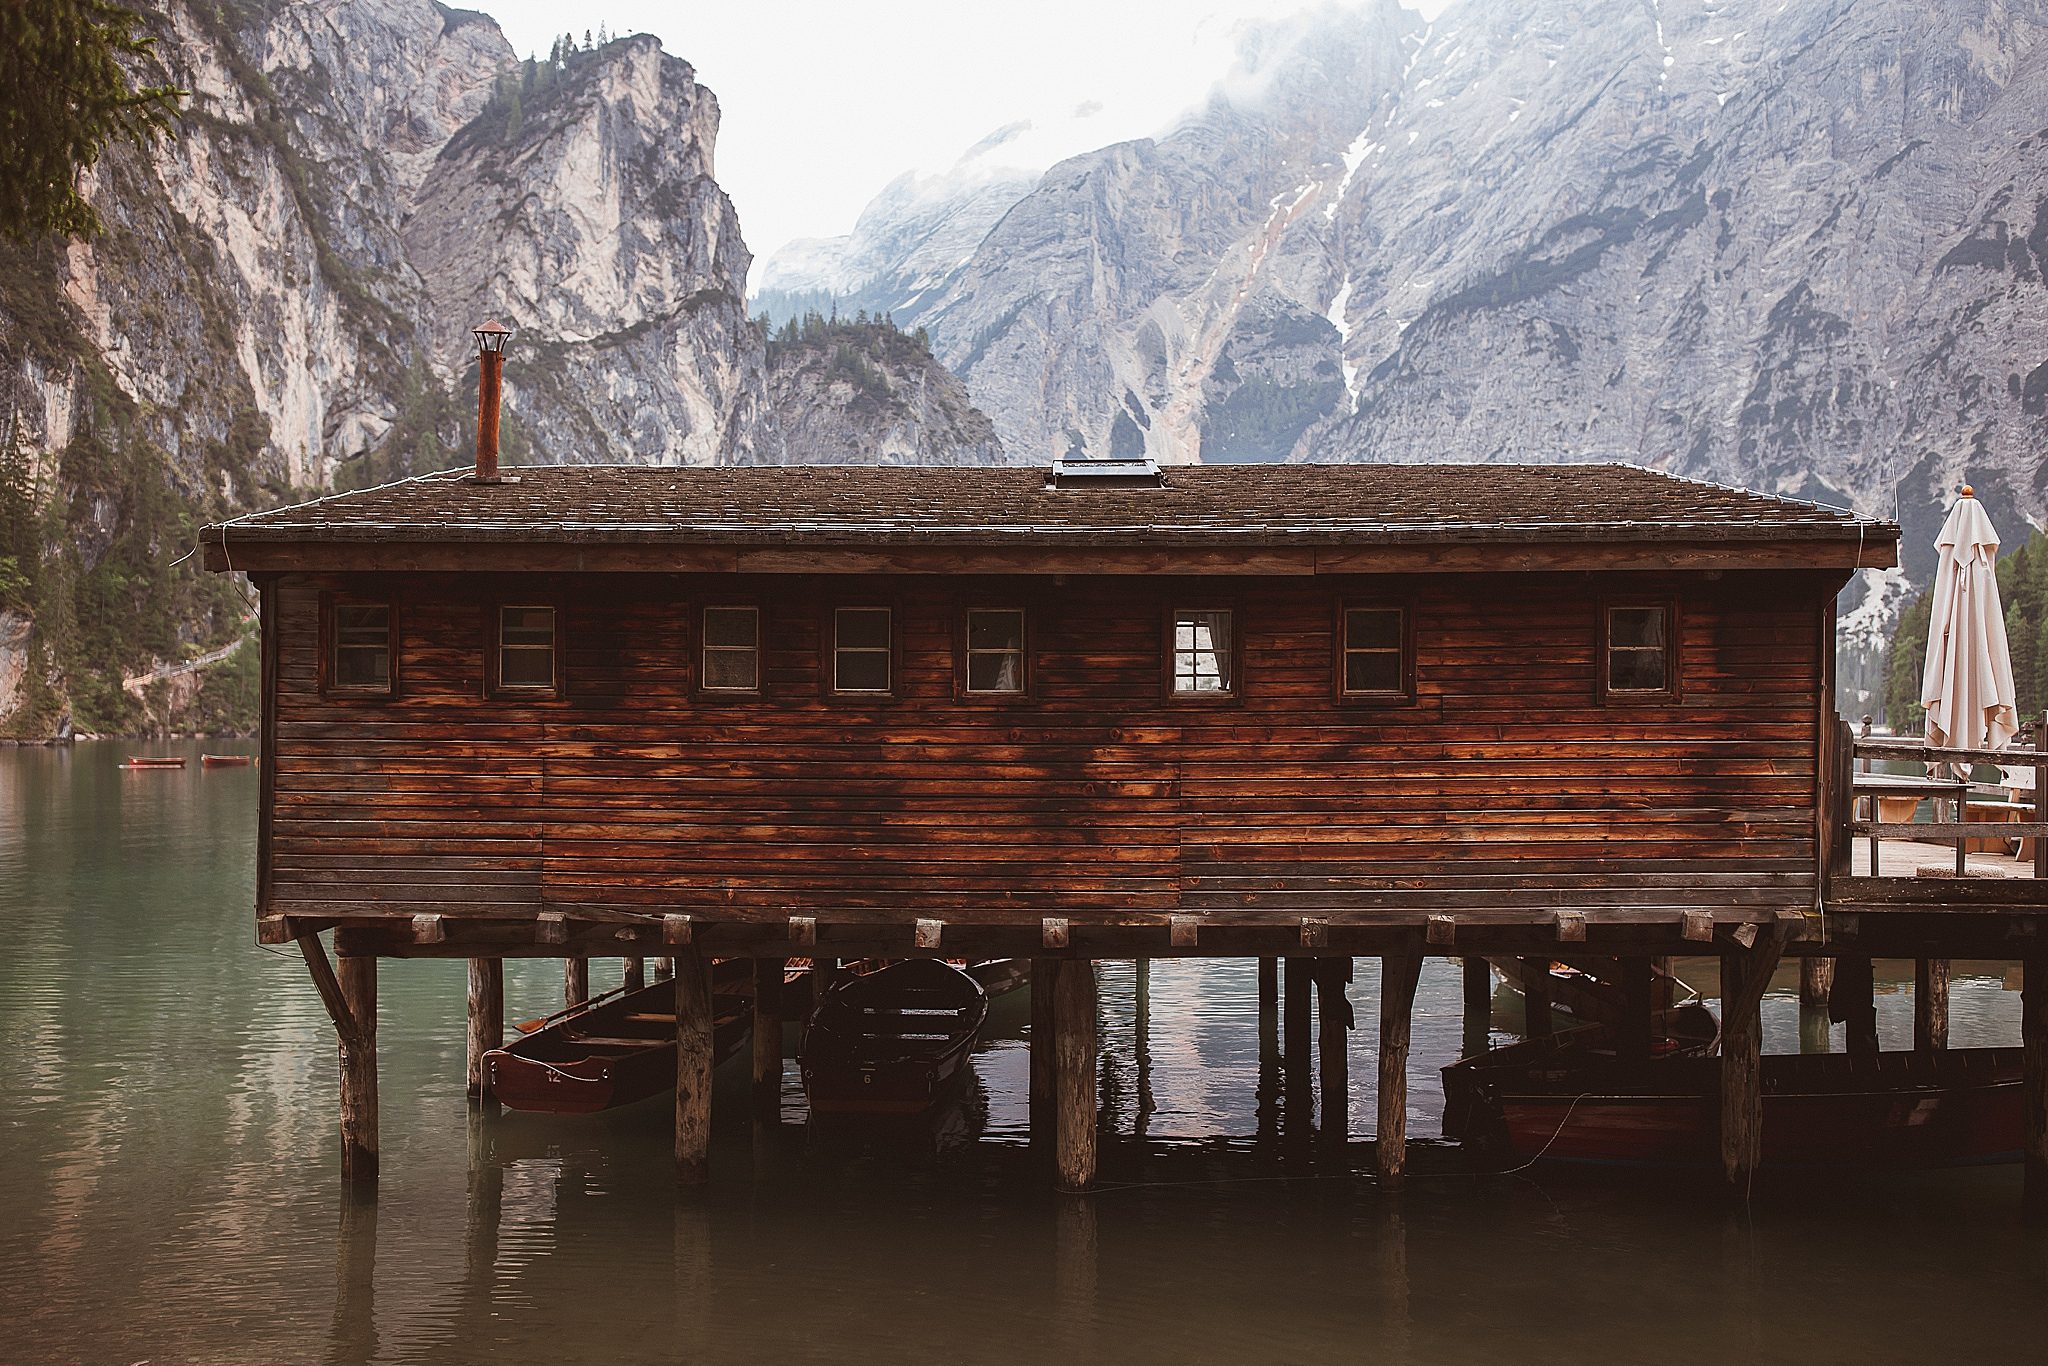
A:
x: 1504, y: 785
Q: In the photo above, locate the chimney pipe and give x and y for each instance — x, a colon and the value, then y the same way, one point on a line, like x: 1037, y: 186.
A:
x: 490, y: 375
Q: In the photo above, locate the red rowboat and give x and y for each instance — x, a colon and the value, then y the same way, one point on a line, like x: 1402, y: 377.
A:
x: 620, y: 1049
x: 226, y: 760
x: 1564, y: 1102
x: 155, y: 761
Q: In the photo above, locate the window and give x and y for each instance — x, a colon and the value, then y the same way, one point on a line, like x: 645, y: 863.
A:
x: 860, y: 649
x: 1202, y: 660
x: 732, y: 649
x: 1375, y: 652
x: 526, y: 648
x: 361, y: 662
x: 1638, y: 650
x: 995, y: 652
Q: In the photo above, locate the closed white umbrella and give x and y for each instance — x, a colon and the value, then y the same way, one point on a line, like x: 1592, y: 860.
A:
x: 1967, y: 687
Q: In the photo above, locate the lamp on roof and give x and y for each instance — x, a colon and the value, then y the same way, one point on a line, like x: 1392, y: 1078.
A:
x: 490, y: 373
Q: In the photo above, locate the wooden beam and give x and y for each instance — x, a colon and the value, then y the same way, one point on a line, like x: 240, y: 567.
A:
x: 1697, y: 927
x: 1536, y: 1020
x: 803, y: 929
x: 1044, y: 974
x: 429, y: 929
x: 329, y: 987
x: 486, y: 1022
x: 693, y: 1067
x: 634, y: 975
x: 552, y: 927
x: 1478, y: 986
x: 1074, y: 1073
x: 1315, y: 932
x: 358, y: 983
x: 1853, y: 1002
x: 1053, y: 931
x: 676, y: 929
x: 1333, y: 1012
x: 1399, y: 974
x: 1745, y: 975
x: 1634, y: 1037
x: 927, y: 933
x: 1443, y: 930
x: 1816, y: 979
x: 1269, y: 1007
x: 1183, y: 930
x: 767, y: 1036
x: 2034, y: 1090
x: 1294, y: 1016
x: 1930, y: 1004
x: 575, y: 980
x: 1571, y: 927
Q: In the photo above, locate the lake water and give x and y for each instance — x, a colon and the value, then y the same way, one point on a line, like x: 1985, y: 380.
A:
x: 168, y: 1184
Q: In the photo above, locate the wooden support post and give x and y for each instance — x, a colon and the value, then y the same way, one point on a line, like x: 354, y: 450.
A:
x: 634, y: 975
x: 1477, y: 1004
x: 1853, y: 1001
x: 1536, y: 1021
x: 486, y: 1021
x: 1074, y: 1073
x: 1745, y: 975
x: 358, y: 981
x: 1044, y: 975
x: 1930, y: 1005
x: 1269, y: 1005
x: 1638, y: 1011
x: 693, y: 1067
x: 1816, y: 979
x: 1333, y: 1012
x: 767, y: 1035
x: 1399, y: 974
x: 664, y: 969
x: 2034, y: 1089
x: 575, y: 981
x: 1295, y: 1017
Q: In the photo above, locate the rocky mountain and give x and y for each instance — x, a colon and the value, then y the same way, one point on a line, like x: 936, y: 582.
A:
x: 282, y: 301
x: 1802, y: 247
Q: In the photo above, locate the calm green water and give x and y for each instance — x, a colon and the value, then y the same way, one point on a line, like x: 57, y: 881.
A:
x: 167, y: 1186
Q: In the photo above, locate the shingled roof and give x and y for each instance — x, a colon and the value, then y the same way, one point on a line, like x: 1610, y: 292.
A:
x: 1198, y: 505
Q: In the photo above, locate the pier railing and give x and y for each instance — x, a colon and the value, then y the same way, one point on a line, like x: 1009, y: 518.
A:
x: 1860, y: 796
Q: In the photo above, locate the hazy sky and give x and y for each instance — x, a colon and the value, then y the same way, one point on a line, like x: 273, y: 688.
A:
x: 826, y: 101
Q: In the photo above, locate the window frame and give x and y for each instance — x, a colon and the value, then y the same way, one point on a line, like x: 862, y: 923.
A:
x: 1672, y: 690
x: 963, y: 656
x: 701, y: 673
x: 1169, y: 670
x: 1404, y: 693
x: 330, y: 685
x: 829, y: 661
x: 494, y: 638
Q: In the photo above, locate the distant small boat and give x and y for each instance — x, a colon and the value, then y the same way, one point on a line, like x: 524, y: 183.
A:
x: 894, y: 1041
x: 155, y: 761
x: 1562, y: 1101
x: 1000, y: 976
x: 227, y: 760
x: 619, y: 1049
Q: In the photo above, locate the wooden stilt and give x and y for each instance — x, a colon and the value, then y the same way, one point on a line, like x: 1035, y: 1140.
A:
x: 1044, y: 977
x: 693, y: 1068
x: 664, y: 969
x: 1295, y: 1017
x: 635, y: 974
x: 1074, y: 1080
x: 1638, y: 1025
x: 358, y: 980
x: 1399, y: 974
x: 1853, y: 1001
x: 1334, y: 1015
x: 2034, y: 1091
x: 1269, y: 1007
x: 1477, y: 1004
x: 1816, y: 979
x: 767, y: 1035
x: 1745, y: 974
x: 1930, y: 1005
x: 486, y: 1021
x: 1536, y: 1021
x: 575, y: 981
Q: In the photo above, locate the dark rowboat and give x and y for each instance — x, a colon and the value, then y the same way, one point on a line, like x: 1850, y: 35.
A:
x: 893, y: 1041
x: 619, y: 1049
x: 155, y: 761
x: 1563, y: 1101
x: 226, y: 760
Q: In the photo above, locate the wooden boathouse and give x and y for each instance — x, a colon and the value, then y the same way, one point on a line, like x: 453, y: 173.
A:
x: 1295, y: 712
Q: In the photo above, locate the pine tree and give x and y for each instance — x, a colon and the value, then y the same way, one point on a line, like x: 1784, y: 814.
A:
x: 63, y: 98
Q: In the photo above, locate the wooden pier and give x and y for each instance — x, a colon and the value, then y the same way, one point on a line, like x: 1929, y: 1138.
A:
x: 1304, y: 715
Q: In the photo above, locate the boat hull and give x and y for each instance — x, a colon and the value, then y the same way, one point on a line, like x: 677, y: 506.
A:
x: 894, y: 1041
x: 1818, y: 1110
